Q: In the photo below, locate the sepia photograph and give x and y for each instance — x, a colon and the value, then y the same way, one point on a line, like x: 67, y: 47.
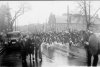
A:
x: 50, y: 33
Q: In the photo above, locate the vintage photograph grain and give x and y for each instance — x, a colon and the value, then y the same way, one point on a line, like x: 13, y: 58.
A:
x: 50, y: 33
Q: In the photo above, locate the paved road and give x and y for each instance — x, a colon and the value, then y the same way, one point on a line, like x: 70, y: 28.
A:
x: 10, y: 59
x: 60, y: 59
x: 51, y: 58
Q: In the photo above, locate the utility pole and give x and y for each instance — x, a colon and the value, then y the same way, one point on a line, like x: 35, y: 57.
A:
x: 15, y: 25
x: 85, y: 11
x: 15, y: 22
x: 68, y: 18
x: 89, y: 13
x: 27, y: 29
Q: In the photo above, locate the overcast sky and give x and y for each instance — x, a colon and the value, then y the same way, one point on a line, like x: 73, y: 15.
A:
x: 39, y: 11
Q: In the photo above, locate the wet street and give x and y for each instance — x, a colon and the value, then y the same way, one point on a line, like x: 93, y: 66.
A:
x: 51, y: 57
x: 10, y: 59
x: 60, y: 59
x: 49, y: 34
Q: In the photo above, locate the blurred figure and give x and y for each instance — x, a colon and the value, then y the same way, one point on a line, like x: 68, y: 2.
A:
x: 24, y: 53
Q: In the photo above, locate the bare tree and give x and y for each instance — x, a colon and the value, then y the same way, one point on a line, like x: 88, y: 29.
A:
x: 86, y: 11
x: 5, y: 17
x: 17, y: 14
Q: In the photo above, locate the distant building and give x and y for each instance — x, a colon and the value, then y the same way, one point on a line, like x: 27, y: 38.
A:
x: 74, y: 22
x: 62, y: 23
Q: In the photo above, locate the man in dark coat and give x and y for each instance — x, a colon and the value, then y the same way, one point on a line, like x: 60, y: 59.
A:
x: 23, y: 53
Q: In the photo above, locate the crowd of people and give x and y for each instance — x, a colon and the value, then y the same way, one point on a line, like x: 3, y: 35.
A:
x: 31, y: 43
x: 73, y: 37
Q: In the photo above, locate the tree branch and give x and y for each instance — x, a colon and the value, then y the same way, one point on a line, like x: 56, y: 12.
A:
x: 17, y: 14
x: 95, y: 13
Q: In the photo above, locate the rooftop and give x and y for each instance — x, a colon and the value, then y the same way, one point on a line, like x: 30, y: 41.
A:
x: 74, y: 18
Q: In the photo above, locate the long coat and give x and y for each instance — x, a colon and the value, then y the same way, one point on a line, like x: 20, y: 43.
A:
x: 94, y: 44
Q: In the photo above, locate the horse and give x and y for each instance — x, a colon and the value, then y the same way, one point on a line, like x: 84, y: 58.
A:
x: 91, y: 42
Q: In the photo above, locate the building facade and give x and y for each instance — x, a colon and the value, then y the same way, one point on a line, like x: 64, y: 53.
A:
x: 73, y: 22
